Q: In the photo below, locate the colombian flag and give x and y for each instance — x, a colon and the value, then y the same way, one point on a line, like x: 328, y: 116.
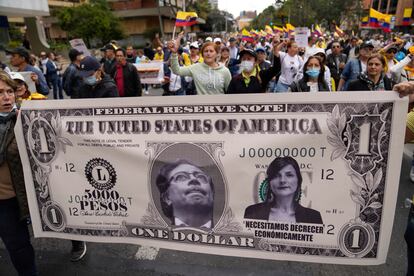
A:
x: 278, y: 29
x: 364, y: 21
x: 246, y: 36
x: 268, y: 29
x: 379, y: 20
x: 318, y: 30
x: 186, y: 19
x: 407, y: 16
x: 339, y: 31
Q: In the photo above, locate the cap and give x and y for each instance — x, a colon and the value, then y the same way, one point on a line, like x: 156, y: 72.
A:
x: 249, y: 52
x: 194, y: 45
x: 109, y: 47
x: 392, y: 48
x: 21, y: 52
x: 73, y: 53
x: 232, y: 39
x: 217, y: 39
x: 209, y: 39
x: 260, y: 49
x: 16, y: 76
x: 88, y: 66
x: 366, y: 45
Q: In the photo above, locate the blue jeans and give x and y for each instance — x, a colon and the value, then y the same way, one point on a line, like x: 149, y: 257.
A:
x: 281, y: 87
x: 15, y: 236
x: 57, y: 87
x: 409, y: 238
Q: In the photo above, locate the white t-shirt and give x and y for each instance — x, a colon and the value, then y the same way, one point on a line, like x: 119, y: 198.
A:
x: 313, y: 86
x: 291, y: 66
x: 363, y: 67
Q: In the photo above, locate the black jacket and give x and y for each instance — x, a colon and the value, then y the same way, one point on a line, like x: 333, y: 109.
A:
x: 109, y: 65
x: 238, y: 86
x: 132, y: 82
x: 335, y: 71
x: 302, y: 86
x: 71, y: 81
x: 106, y: 88
x: 303, y: 215
x: 365, y: 84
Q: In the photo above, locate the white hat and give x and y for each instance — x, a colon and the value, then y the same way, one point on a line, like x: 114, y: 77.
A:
x: 217, y: 39
x: 16, y: 76
x: 194, y: 45
x: 209, y: 39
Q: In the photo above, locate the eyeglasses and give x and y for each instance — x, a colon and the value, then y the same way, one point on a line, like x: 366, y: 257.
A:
x: 185, y: 176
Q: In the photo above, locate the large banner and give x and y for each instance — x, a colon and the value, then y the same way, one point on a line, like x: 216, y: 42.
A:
x: 300, y: 176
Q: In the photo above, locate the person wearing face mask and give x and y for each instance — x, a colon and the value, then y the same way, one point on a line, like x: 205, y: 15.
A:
x: 209, y: 76
x: 251, y: 79
x: 14, y: 209
x: 374, y: 79
x: 95, y: 83
x: 313, y: 77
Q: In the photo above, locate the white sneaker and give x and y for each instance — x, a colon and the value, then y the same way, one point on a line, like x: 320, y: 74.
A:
x: 146, y: 92
x: 412, y: 172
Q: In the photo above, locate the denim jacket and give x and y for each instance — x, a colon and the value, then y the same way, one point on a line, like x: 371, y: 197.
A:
x: 351, y: 72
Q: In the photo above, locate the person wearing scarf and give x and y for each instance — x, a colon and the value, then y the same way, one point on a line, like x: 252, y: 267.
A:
x: 251, y: 79
x: 14, y: 211
x: 374, y: 79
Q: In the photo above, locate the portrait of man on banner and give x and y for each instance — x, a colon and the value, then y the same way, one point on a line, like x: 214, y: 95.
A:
x: 188, y: 187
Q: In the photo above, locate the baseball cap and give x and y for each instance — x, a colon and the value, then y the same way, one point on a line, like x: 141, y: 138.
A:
x: 194, y: 45
x: 109, y: 47
x: 16, y: 76
x: 73, y: 53
x: 21, y: 52
x: 209, y: 39
x: 260, y: 49
x: 366, y: 45
x: 232, y: 39
x: 249, y: 52
x: 88, y: 66
x: 217, y: 39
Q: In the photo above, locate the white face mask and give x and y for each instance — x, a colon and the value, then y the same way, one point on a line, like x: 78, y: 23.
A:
x: 246, y: 66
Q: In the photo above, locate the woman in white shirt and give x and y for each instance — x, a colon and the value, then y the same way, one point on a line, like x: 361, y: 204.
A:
x: 291, y: 64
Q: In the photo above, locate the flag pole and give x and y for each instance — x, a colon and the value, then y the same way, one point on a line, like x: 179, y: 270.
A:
x: 173, y: 37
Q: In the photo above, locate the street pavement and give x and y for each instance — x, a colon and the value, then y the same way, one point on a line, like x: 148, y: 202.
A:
x: 52, y: 255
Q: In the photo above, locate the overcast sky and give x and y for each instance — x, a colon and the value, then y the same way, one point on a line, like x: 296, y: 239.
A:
x: 236, y: 6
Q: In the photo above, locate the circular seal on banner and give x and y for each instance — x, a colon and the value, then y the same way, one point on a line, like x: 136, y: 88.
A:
x: 100, y: 174
x: 53, y: 216
x: 356, y: 239
x: 42, y: 141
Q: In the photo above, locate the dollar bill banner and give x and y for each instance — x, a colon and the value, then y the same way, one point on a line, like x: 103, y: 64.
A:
x: 306, y: 177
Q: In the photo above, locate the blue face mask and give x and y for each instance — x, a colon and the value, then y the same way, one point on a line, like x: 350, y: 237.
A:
x: 313, y: 73
x: 91, y: 80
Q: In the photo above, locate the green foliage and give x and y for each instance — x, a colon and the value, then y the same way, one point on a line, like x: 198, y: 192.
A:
x: 58, y: 47
x: 201, y: 7
x: 306, y: 13
x: 91, y: 20
x: 14, y: 44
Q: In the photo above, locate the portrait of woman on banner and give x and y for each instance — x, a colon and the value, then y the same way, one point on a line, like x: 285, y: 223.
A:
x: 283, y: 191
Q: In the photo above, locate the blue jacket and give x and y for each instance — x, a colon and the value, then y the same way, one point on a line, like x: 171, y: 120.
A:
x: 41, y: 87
x: 351, y: 72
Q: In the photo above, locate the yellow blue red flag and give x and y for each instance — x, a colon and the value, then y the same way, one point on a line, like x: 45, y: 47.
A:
x: 186, y: 19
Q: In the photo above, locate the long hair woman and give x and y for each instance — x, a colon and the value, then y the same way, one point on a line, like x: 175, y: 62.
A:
x: 313, y: 77
x: 209, y: 76
x: 283, y: 192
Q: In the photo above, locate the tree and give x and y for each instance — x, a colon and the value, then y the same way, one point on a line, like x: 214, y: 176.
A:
x: 201, y: 7
x: 306, y: 13
x: 88, y: 21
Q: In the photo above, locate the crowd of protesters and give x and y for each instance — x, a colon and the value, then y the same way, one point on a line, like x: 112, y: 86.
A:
x: 201, y: 67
